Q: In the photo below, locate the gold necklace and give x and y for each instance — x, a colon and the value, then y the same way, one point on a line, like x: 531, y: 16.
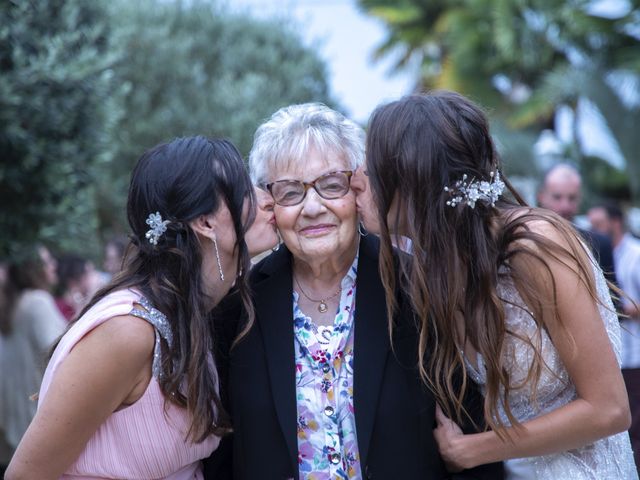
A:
x: 322, y: 308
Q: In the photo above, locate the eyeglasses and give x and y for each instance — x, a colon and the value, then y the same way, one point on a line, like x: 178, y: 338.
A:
x: 329, y: 186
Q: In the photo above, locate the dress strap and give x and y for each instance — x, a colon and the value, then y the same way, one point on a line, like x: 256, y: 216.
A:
x: 161, y: 327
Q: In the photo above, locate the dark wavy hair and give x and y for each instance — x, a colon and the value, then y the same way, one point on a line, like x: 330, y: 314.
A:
x: 415, y: 147
x: 182, y: 180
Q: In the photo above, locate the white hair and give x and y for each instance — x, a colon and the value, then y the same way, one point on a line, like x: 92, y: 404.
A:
x: 287, y: 136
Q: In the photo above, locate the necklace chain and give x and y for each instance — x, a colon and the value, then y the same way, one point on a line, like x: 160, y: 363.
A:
x: 322, y: 307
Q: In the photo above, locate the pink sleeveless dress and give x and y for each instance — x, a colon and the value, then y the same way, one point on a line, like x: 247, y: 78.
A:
x: 142, y: 441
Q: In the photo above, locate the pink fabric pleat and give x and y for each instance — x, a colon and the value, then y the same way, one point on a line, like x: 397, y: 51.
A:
x: 143, y: 441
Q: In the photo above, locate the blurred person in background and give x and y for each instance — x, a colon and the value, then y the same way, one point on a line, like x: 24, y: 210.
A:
x: 76, y: 284
x: 561, y: 192
x: 131, y: 389
x: 114, y: 251
x: 609, y: 219
x: 30, y: 322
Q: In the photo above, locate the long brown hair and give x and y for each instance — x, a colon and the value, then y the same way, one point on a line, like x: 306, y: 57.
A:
x: 24, y: 271
x: 415, y: 147
x: 182, y: 180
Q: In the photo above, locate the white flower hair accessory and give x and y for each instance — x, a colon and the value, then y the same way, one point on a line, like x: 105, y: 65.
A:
x: 470, y: 192
x: 158, y: 227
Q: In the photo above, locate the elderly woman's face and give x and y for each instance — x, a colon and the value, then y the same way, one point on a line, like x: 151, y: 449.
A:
x: 317, y: 228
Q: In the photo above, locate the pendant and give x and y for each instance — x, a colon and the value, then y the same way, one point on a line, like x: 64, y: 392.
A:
x: 322, y: 308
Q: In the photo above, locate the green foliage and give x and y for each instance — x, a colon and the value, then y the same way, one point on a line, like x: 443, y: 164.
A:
x: 56, y: 84
x: 521, y: 58
x: 87, y: 86
x: 516, y: 149
x: 602, y: 181
x: 194, y: 69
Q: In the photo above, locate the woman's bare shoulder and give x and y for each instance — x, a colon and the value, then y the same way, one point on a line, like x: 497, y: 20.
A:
x: 531, y: 224
x: 130, y: 338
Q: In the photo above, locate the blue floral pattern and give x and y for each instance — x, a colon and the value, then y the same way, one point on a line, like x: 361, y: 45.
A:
x: 327, y: 441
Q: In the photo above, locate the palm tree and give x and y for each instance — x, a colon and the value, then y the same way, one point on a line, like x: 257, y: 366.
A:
x: 521, y: 58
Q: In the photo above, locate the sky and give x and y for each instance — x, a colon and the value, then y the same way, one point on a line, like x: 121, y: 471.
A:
x: 346, y: 39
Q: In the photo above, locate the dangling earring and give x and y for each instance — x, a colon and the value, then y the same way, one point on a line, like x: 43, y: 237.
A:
x: 215, y: 244
x: 277, y: 246
x: 361, y: 230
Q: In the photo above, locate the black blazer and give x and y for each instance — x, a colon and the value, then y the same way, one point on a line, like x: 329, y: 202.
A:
x: 394, y: 413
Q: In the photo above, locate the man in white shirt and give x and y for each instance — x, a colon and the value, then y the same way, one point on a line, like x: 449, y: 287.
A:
x: 609, y: 219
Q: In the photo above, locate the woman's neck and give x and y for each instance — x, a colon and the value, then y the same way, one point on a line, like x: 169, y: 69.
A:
x: 324, y: 272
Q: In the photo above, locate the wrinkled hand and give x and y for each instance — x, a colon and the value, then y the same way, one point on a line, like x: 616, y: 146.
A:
x: 449, y: 438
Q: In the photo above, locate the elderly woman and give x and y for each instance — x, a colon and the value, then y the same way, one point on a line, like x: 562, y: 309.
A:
x: 314, y: 388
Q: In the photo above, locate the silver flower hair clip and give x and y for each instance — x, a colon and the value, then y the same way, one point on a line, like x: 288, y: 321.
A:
x: 470, y: 192
x: 158, y: 227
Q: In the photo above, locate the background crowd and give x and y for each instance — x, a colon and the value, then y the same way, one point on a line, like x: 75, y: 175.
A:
x: 41, y: 293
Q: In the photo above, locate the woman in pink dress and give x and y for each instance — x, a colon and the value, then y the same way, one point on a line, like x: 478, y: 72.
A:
x: 131, y: 390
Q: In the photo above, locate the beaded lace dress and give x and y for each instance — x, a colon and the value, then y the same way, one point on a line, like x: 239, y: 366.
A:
x: 607, y: 458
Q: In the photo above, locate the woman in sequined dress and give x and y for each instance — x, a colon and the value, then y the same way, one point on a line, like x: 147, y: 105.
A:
x: 131, y: 390
x: 505, y: 293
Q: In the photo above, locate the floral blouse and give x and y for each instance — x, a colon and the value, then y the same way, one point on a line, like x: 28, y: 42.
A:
x: 327, y: 442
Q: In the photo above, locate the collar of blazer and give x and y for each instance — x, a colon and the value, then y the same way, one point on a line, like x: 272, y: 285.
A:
x: 272, y: 288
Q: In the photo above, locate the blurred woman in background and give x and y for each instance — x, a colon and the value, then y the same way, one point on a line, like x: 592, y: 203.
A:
x: 114, y: 251
x: 30, y: 323
x: 77, y: 282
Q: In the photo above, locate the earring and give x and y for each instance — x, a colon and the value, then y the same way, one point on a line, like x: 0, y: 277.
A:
x: 277, y: 246
x: 361, y: 230
x: 215, y: 244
